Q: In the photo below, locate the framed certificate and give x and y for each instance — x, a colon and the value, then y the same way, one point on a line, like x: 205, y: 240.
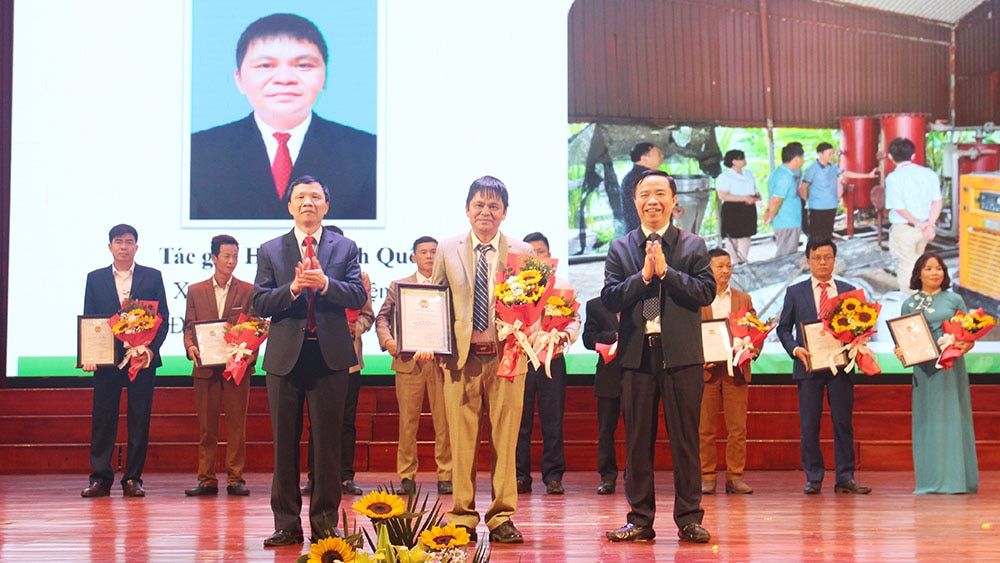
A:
x: 824, y: 349
x: 95, y: 343
x: 424, y: 318
x: 209, y: 337
x: 913, y: 337
x: 716, y: 341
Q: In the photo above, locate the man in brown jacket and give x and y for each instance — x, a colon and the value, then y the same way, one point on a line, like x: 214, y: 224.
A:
x: 720, y: 386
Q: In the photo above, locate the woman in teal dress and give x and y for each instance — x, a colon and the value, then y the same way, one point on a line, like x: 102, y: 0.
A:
x: 944, y: 442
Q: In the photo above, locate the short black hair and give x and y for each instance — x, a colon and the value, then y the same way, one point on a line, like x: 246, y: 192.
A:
x: 280, y: 25
x: 915, y: 282
x: 732, y: 156
x: 488, y: 185
x: 790, y: 151
x: 902, y: 149
x: 718, y: 253
x: 422, y: 240
x: 219, y: 240
x: 648, y: 173
x: 824, y: 146
x: 640, y: 150
x: 122, y: 229
x: 306, y: 180
x: 814, y: 244
x: 536, y: 236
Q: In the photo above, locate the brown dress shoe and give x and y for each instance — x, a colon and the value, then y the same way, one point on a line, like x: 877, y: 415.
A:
x: 133, y: 488
x: 852, y: 487
x: 506, y: 533
x: 96, y: 490
x: 813, y: 487
x: 445, y: 488
x: 523, y: 487
x: 554, y: 487
x: 738, y: 487
x: 238, y: 489
x: 349, y: 487
x: 407, y: 487
x: 693, y: 533
x: 708, y: 487
x: 283, y: 537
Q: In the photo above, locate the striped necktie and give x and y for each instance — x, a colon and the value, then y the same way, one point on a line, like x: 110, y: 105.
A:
x: 651, y: 305
x: 824, y: 297
x: 481, y: 302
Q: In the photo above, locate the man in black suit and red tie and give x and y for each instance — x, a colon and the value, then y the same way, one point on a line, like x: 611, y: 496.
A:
x: 241, y: 170
x: 658, y: 278
x: 306, y: 280
x: 106, y: 288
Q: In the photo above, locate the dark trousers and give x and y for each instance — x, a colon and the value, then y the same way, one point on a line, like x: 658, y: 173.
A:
x: 608, y: 413
x: 840, y: 397
x: 108, y: 385
x: 310, y: 380
x: 348, y: 433
x: 821, y: 223
x: 681, y: 389
x: 551, y: 395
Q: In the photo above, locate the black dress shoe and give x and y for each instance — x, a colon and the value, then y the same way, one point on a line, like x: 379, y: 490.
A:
x: 349, y: 487
x: 506, y: 533
x: 96, y: 490
x: 283, y: 537
x: 554, y: 487
x: 606, y: 488
x: 444, y: 488
x: 813, y: 487
x: 852, y: 487
x: 327, y: 533
x: 307, y: 488
x: 407, y: 487
x: 238, y: 489
x: 631, y: 532
x: 523, y: 487
x: 202, y: 490
x: 133, y: 488
x: 692, y: 532
x: 473, y: 536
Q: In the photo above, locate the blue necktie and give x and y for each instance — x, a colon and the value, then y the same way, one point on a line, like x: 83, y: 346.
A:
x: 481, y: 302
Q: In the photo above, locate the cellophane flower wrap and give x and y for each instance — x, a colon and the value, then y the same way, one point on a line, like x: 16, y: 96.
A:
x: 522, y: 290
x: 851, y: 319
x: 243, y: 340
x: 749, y: 333
x: 962, y: 327
x: 560, y: 311
x: 135, y: 324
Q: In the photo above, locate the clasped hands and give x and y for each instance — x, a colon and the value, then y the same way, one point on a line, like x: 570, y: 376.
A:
x: 655, y: 263
x: 308, y: 274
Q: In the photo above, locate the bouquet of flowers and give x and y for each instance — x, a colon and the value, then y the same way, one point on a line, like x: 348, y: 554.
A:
x: 522, y: 290
x: 560, y: 310
x: 748, y: 334
x: 962, y: 327
x: 851, y: 319
x: 243, y: 340
x: 135, y: 324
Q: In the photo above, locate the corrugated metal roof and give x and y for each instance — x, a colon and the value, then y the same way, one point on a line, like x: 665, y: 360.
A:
x: 947, y: 11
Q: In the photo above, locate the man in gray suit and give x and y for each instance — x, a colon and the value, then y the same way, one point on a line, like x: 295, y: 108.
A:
x: 306, y: 279
x: 471, y: 382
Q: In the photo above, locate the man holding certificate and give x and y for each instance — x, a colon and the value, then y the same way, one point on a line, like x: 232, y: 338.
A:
x: 802, y: 336
x: 223, y: 298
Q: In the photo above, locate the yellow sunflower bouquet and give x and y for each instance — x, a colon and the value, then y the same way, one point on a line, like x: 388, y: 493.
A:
x: 446, y: 544
x: 136, y: 325
x: 851, y: 319
x: 522, y: 291
x: 962, y: 327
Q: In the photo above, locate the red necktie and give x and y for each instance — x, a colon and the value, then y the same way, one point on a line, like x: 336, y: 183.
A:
x: 281, y: 168
x: 824, y: 297
x: 310, y: 292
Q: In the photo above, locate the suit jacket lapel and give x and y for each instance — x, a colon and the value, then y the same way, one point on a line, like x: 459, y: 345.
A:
x: 290, y: 255
x: 467, y: 258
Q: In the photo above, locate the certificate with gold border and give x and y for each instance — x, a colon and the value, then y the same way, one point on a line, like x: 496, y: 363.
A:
x: 824, y: 349
x: 424, y: 318
x: 210, y: 338
x: 913, y: 337
x: 95, y: 342
x: 716, y: 341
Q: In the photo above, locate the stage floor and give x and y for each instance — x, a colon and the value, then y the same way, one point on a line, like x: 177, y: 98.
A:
x: 43, y: 518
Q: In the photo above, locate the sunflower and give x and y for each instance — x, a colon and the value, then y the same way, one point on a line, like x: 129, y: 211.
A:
x: 329, y: 550
x: 438, y: 538
x: 850, y: 304
x: 530, y: 277
x: 866, y: 316
x: 380, y: 505
x: 841, y: 323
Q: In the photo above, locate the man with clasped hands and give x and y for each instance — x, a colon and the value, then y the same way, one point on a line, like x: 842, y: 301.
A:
x: 659, y: 277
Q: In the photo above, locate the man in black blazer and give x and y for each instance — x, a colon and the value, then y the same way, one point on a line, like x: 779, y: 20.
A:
x: 308, y: 355
x: 106, y: 288
x: 240, y: 170
x: 601, y: 327
x: 802, y: 304
x: 659, y: 277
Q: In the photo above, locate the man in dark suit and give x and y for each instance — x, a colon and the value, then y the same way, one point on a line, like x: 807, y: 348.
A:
x: 240, y: 170
x: 306, y: 279
x: 802, y: 304
x: 658, y: 277
x: 644, y: 156
x: 106, y: 288
x: 220, y: 297
x: 601, y: 327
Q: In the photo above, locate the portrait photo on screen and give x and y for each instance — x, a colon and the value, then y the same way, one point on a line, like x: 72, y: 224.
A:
x: 268, y: 127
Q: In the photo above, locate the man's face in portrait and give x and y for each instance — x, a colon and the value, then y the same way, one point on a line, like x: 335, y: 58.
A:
x: 123, y: 248
x: 308, y: 204
x: 485, y: 212
x: 281, y: 78
x: 225, y: 262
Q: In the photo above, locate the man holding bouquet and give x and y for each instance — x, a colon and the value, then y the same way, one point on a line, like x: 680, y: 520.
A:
x: 659, y: 277
x: 468, y: 264
x: 106, y: 289
x: 220, y: 297
x: 803, y: 303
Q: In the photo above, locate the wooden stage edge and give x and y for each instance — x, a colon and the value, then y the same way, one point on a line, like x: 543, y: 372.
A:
x: 45, y: 519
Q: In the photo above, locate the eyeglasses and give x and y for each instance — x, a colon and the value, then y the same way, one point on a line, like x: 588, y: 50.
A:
x: 822, y: 259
